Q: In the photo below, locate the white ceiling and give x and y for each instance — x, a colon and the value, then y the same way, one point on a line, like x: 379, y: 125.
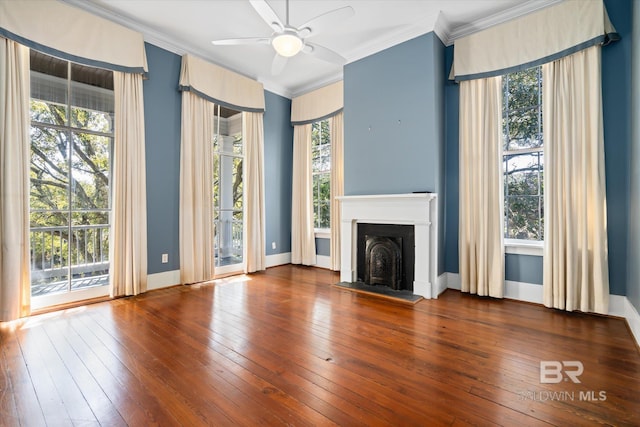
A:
x: 188, y: 26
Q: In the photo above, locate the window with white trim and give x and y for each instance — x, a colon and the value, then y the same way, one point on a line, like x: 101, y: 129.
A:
x: 523, y: 157
x: 321, y: 171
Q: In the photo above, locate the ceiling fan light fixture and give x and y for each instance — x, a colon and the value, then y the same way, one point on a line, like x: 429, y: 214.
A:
x: 287, y: 44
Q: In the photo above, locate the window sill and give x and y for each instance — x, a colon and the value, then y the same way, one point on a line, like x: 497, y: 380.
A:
x: 322, y: 233
x: 523, y: 247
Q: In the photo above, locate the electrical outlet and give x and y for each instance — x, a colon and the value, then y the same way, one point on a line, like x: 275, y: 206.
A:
x: 273, y: 245
x: 165, y: 258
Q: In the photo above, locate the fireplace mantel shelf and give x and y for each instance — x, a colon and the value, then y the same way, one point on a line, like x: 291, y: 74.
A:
x: 417, y: 209
x: 389, y: 196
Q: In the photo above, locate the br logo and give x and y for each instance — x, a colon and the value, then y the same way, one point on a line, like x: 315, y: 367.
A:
x: 554, y: 371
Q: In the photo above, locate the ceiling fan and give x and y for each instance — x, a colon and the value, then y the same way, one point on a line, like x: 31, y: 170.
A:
x: 287, y: 40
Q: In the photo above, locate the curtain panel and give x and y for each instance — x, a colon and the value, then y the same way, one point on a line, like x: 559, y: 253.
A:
x: 481, y: 247
x: 303, y: 243
x: 77, y: 35
x: 336, y: 124
x: 196, y: 190
x: 128, y: 238
x: 255, y: 239
x: 15, y: 280
x: 533, y: 39
x: 576, y: 273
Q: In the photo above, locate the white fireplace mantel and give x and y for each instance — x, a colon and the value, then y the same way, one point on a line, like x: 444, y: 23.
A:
x: 417, y: 209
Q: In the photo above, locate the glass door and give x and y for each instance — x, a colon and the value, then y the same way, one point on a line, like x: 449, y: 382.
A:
x: 228, y: 178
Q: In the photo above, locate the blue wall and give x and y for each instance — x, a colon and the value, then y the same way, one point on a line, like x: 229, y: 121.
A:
x: 450, y: 222
x: 633, y: 277
x: 616, y: 88
x: 162, y: 107
x: 278, y: 161
x: 616, y: 107
x: 162, y: 102
x: 392, y: 109
x: 323, y: 247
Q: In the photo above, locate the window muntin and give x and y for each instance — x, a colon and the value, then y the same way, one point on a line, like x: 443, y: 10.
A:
x: 321, y: 173
x: 72, y: 114
x: 523, y: 157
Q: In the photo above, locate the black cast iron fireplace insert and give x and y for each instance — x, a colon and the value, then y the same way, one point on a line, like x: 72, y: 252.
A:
x: 386, y: 255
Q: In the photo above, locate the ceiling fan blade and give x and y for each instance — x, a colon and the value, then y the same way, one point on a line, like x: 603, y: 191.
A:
x: 278, y: 64
x: 323, y: 53
x: 325, y: 21
x: 247, y: 40
x: 267, y: 14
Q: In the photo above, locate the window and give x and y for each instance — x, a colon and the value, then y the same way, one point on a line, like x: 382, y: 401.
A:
x: 523, y: 159
x: 228, y: 157
x: 72, y: 112
x: 321, y: 170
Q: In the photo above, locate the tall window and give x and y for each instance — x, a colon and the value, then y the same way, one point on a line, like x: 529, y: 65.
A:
x: 72, y: 111
x: 228, y: 157
x: 321, y: 167
x: 523, y: 161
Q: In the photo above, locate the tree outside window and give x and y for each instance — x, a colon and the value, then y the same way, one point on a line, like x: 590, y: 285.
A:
x: 523, y: 158
x: 321, y: 169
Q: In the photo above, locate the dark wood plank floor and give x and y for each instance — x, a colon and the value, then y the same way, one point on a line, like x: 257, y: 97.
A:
x: 284, y: 347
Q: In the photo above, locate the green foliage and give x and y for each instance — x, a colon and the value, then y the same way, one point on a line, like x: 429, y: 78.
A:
x: 523, y: 159
x: 69, y: 186
x: 321, y: 167
x: 522, y: 124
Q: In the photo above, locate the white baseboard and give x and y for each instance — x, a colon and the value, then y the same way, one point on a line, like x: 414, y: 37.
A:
x: 323, y: 261
x: 172, y: 278
x: 521, y: 291
x: 453, y: 281
x: 633, y: 319
x: 441, y: 283
x: 618, y: 305
x: 278, y: 259
x: 163, y: 280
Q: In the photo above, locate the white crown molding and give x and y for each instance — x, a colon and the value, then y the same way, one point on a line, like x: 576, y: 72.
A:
x: 449, y: 35
x: 378, y: 45
x: 327, y: 80
x: 442, y: 28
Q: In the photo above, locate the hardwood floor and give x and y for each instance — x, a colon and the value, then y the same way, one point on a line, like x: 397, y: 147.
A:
x: 284, y: 347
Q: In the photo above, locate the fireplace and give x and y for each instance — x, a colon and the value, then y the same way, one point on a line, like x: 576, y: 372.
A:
x: 385, y: 255
x: 418, y: 212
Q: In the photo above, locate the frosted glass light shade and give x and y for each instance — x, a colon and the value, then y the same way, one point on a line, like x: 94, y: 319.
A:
x: 287, y: 44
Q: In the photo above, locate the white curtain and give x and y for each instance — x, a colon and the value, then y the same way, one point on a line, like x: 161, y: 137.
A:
x: 15, y: 280
x: 196, y: 190
x: 253, y: 135
x: 575, y: 234
x: 336, y: 124
x: 481, y: 248
x: 303, y: 243
x: 128, y: 239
